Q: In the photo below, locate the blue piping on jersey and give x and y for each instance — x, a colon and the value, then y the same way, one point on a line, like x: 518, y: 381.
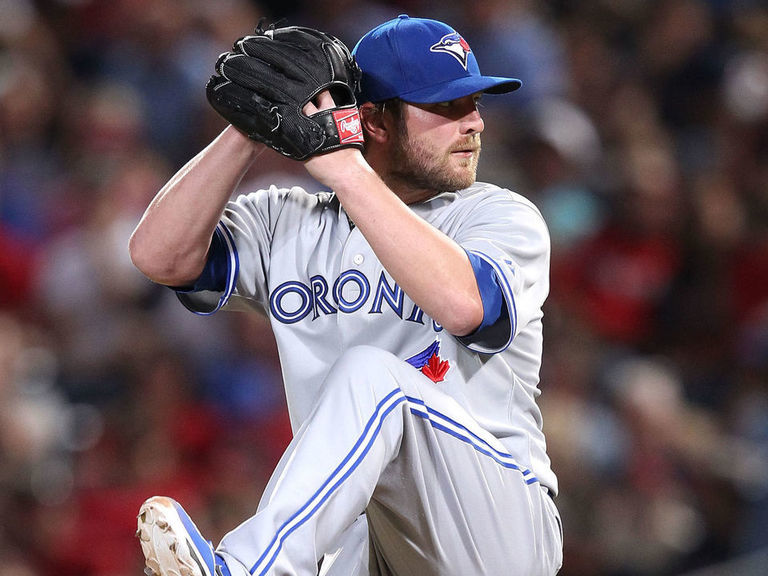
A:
x: 449, y: 425
x: 370, y: 433
x: 234, y: 265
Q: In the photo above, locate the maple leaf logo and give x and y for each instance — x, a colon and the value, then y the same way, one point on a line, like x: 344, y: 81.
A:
x: 435, y: 368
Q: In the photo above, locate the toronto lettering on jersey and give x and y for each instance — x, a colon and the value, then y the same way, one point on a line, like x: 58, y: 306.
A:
x: 350, y: 292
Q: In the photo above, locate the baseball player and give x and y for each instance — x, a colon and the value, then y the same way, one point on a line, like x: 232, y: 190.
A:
x: 406, y: 305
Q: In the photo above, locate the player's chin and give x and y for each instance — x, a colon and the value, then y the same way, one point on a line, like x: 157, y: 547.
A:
x: 465, y: 171
x: 463, y: 179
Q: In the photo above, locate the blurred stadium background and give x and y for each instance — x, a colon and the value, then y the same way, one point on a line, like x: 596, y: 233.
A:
x: 642, y: 134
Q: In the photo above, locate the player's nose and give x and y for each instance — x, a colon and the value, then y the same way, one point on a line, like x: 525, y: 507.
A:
x: 472, y: 123
x: 471, y: 119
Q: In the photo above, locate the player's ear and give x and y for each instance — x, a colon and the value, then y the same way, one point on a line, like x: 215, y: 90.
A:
x: 374, y: 122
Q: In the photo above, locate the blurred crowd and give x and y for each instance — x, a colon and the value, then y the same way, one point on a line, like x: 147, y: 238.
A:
x: 642, y: 134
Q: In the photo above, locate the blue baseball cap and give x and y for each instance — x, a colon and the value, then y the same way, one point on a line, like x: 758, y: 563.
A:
x: 421, y: 61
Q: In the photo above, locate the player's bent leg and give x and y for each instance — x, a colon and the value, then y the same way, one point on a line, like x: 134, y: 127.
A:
x: 440, y: 492
x: 329, y: 471
x: 461, y: 510
x: 171, y: 543
x: 456, y: 502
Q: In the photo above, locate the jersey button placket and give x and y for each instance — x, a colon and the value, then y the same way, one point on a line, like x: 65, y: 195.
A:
x: 355, y: 269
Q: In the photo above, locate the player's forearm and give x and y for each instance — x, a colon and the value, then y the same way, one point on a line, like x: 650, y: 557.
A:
x: 170, y: 243
x: 429, y: 266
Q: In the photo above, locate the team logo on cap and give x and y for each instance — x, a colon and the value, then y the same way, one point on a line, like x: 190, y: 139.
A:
x: 454, y: 45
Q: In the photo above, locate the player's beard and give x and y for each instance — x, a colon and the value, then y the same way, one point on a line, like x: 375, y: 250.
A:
x: 421, y: 165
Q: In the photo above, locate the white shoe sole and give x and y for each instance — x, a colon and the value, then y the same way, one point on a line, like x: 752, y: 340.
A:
x: 166, y: 544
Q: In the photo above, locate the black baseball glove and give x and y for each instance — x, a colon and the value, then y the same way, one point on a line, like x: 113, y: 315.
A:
x: 263, y: 83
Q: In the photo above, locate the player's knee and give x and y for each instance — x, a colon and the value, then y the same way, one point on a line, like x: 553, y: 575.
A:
x: 363, y: 360
x: 368, y: 367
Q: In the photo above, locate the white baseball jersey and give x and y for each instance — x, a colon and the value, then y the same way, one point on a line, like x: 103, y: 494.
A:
x: 297, y: 257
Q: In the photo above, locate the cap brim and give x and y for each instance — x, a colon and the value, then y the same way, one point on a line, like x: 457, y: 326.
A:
x: 460, y: 87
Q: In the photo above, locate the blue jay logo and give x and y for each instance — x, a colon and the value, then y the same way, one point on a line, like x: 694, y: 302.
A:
x: 454, y: 45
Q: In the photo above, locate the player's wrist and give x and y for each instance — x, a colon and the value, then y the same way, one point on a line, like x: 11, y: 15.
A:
x: 239, y: 144
x: 342, y: 169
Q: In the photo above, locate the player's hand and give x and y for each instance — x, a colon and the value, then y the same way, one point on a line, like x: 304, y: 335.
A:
x: 260, y: 85
x: 328, y: 168
x: 323, y: 101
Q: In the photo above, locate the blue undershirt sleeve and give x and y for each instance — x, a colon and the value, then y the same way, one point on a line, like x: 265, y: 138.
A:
x: 214, y: 275
x: 495, y: 325
x: 490, y: 291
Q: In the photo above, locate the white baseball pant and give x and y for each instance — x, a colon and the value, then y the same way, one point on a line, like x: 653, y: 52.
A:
x: 440, y: 494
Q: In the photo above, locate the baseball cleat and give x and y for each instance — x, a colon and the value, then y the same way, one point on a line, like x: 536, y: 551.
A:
x: 172, y: 544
